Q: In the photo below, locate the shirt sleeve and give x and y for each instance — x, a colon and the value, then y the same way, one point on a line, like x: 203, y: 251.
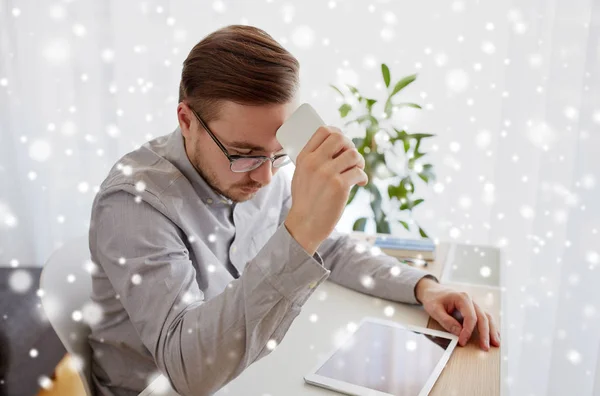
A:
x: 353, y: 265
x: 197, y: 344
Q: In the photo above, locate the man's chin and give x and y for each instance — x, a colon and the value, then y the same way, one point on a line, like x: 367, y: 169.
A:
x: 240, y: 194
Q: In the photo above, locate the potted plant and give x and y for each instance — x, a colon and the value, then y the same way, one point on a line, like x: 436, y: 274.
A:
x: 384, y: 146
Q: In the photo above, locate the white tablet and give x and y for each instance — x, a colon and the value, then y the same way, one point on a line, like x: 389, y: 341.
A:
x: 384, y: 358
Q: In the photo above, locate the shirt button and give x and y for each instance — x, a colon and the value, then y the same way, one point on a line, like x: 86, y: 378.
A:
x: 209, y: 201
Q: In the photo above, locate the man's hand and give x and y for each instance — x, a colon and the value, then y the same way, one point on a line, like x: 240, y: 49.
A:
x: 440, y: 302
x: 326, y: 170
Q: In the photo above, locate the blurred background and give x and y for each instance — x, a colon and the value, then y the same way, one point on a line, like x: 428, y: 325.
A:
x: 511, y: 90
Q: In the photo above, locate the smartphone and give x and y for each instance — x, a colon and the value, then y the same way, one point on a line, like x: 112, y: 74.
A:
x: 297, y: 130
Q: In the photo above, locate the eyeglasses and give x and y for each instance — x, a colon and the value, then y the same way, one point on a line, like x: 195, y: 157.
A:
x: 244, y: 163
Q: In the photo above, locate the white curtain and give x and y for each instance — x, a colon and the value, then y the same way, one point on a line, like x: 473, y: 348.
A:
x: 510, y: 88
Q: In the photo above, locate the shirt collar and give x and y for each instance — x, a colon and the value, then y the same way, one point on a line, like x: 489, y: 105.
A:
x: 176, y: 154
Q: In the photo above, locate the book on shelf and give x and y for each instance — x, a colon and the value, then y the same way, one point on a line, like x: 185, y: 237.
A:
x: 401, y: 247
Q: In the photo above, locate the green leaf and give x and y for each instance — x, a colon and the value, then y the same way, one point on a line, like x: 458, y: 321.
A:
x: 358, y: 142
x: 416, y: 106
x: 416, y: 156
x: 385, y: 71
x: 355, y: 92
x: 423, y: 233
x: 345, y: 109
x: 383, y: 227
x: 406, y: 145
x: 359, y: 225
x: 401, y: 191
x: 405, y: 224
x: 417, y: 202
x: 368, y: 117
x: 376, y: 202
x: 427, y: 174
x: 370, y: 103
x: 405, y: 137
x: 403, y: 83
x: 388, y: 108
x: 352, y: 194
x: 419, y: 136
x: 337, y: 90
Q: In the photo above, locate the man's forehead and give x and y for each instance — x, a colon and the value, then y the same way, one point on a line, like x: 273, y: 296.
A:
x: 254, y: 127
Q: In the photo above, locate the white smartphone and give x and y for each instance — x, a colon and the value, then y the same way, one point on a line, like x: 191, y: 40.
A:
x: 297, y: 130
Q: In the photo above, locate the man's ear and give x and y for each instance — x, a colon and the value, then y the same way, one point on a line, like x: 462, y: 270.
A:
x: 184, y: 117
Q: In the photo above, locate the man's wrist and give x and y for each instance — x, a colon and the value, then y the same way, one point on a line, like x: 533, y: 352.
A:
x: 424, y: 285
x: 296, y: 232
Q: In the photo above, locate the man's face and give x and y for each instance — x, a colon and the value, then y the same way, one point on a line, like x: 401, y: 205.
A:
x: 243, y: 130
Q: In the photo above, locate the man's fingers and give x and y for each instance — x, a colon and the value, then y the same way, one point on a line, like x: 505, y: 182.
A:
x: 494, y: 331
x: 447, y: 321
x: 466, y: 308
x: 483, y: 326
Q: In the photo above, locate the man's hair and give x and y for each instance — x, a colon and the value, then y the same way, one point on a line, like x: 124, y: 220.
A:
x: 237, y: 63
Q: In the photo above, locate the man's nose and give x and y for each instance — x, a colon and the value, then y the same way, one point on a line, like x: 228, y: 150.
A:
x: 263, y: 173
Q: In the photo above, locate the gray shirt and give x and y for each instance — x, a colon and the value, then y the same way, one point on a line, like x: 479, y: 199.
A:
x: 194, y: 286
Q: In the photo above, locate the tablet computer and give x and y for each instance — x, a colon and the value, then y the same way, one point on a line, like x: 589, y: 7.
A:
x: 384, y: 358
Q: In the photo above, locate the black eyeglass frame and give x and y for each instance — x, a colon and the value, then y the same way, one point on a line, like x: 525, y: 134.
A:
x: 232, y: 157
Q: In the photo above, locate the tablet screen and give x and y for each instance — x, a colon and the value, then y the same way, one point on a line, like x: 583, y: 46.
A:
x: 386, y: 358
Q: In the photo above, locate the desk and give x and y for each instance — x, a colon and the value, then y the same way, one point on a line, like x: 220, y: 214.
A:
x: 470, y: 371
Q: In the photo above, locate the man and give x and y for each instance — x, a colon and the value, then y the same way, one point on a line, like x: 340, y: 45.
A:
x: 206, y: 253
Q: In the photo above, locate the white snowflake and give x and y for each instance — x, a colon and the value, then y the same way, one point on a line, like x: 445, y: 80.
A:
x: 77, y: 316
x: 57, y: 12
x: 465, y: 202
x: 574, y: 356
x: 20, y: 281
x: 458, y: 6
x: 140, y: 186
x: 438, y: 188
x: 488, y: 47
x: 592, y: 257
x: 45, y: 382
x: 483, y: 139
x: 457, y: 80
x: 271, y: 345
x: 92, y: 313
x: 387, y: 34
x: 455, y: 233
x: 303, y: 36
x: 441, y: 59
x: 367, y: 281
x: 589, y: 311
x: 389, y: 311
x: 288, y: 11
x: 485, y: 271
x: 57, y: 52
x: 527, y: 212
x: 79, y: 30
x: 40, y: 150
x: 571, y: 113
